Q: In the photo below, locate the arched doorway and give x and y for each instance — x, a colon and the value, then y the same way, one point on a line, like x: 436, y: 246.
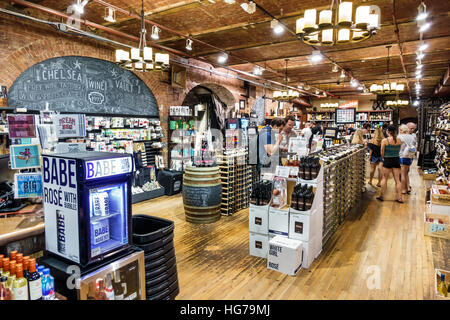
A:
x: 217, y: 100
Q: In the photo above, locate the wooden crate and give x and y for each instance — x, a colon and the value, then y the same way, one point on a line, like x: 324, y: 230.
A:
x: 437, y: 230
x: 437, y: 278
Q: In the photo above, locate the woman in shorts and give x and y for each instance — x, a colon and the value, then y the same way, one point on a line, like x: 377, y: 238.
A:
x: 390, y: 151
x: 407, y: 152
x: 375, y: 155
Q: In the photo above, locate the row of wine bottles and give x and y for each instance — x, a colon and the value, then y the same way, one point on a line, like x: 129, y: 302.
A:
x: 302, y: 197
x: 261, y: 193
x: 309, y: 167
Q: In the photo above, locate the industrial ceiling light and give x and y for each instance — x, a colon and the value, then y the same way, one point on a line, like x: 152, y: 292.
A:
x: 360, y: 87
x: 155, y: 33
x: 141, y: 59
x: 286, y: 95
x: 229, y: 1
x: 353, y: 83
x: 110, y: 15
x: 79, y: 6
x: 317, y: 92
x: 420, y: 55
x: 257, y: 71
x: 189, y: 44
x: 300, y: 86
x: 418, y: 76
x: 327, y: 31
x: 335, y: 68
x: 423, y: 46
x: 387, y: 87
x: 342, y: 76
x: 316, y: 56
x: 424, y: 27
x: 250, y: 7
x: 419, y: 65
x: 276, y: 26
x: 307, y: 87
x: 422, y: 12
x: 416, y: 103
x: 222, y: 58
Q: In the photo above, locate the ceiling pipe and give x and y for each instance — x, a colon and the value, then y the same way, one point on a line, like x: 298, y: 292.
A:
x: 397, y: 34
x: 186, y: 36
x: 132, y: 38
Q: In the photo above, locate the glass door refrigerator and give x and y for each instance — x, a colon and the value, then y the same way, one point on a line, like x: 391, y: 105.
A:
x: 87, y: 205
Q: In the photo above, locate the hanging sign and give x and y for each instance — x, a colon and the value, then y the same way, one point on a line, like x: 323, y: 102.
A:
x: 70, y: 125
x: 27, y: 185
x: 348, y: 104
x: 21, y: 126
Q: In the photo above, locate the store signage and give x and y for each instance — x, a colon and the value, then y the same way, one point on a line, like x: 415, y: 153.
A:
x: 329, y: 105
x: 108, y: 167
x: 21, y: 126
x: 27, y: 185
x: 70, y: 125
x: 348, y: 104
x: 282, y: 171
x: 25, y: 156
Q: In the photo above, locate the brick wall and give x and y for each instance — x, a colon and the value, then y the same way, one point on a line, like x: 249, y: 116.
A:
x: 25, y: 43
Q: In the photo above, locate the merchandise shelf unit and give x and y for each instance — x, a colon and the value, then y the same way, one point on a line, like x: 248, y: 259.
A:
x: 442, y: 159
x: 181, y: 133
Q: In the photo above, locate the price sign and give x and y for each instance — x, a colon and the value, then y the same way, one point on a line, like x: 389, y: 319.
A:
x: 282, y: 171
x: 27, y: 185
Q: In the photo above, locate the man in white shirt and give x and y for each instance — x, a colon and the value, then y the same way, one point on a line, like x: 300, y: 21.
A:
x: 306, y: 131
x: 287, y: 133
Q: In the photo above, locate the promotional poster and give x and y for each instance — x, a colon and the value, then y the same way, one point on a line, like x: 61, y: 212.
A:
x: 27, y: 185
x: 25, y: 156
x: 21, y: 126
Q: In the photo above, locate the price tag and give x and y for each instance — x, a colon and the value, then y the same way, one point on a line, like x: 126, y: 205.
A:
x: 282, y: 171
x: 436, y: 227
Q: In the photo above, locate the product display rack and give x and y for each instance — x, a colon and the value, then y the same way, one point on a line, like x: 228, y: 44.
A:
x: 236, y: 176
x: 442, y: 159
x: 186, y: 141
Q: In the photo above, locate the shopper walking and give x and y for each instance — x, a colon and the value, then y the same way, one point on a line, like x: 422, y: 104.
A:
x: 390, y: 152
x: 267, y: 148
x: 407, y: 153
x: 376, y: 161
x: 384, y: 128
x: 287, y: 134
x: 358, y: 137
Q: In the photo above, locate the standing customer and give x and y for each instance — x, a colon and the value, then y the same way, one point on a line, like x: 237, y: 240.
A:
x: 407, y: 153
x: 307, y: 133
x: 375, y: 155
x: 390, y: 152
x: 269, y: 145
x: 384, y: 128
x: 287, y: 134
x: 358, y: 137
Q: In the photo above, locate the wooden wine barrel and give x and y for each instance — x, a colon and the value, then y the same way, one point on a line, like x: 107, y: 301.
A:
x: 202, y: 194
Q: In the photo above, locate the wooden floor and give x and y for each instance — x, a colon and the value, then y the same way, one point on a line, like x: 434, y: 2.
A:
x: 379, y: 238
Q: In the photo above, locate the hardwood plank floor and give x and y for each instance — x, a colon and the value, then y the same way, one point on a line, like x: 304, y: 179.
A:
x: 213, y: 260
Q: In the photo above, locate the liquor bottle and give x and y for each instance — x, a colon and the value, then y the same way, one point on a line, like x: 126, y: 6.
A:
x: 20, y: 286
x: 5, y: 292
x: 294, y: 200
x: 91, y: 293
x: 301, y: 201
x: 308, y: 201
x: 26, y: 261
x: 12, y: 273
x: 100, y: 290
x: 109, y: 290
x: 19, y: 258
x: 34, y: 282
x: 5, y: 271
x: 442, y: 288
x: 119, y: 288
x: 12, y: 255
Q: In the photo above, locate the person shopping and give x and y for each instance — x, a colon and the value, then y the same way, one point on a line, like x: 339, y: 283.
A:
x: 267, y: 148
x: 358, y: 137
x: 375, y: 155
x: 390, y: 152
x: 407, y: 153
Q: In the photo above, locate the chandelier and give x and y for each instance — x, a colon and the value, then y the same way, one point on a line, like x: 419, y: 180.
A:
x: 342, y: 30
x: 387, y: 87
x: 285, y: 95
x: 141, y: 59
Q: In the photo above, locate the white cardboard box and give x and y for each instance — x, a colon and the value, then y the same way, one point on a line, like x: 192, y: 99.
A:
x: 303, y: 225
x: 258, y: 219
x: 285, y: 255
x: 311, y: 249
x: 259, y: 245
x: 439, y: 208
x: 279, y: 221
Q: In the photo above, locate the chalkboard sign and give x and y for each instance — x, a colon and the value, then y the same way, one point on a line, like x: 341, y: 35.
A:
x: 202, y: 196
x: 83, y: 85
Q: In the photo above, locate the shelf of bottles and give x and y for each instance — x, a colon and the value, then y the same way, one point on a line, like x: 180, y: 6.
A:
x: 321, y: 116
x: 344, y: 173
x: 384, y: 116
x: 442, y: 158
x: 117, y: 134
x: 237, y: 176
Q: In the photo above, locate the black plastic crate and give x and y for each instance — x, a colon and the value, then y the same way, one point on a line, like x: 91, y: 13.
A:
x: 155, y: 244
x: 153, y: 272
x: 155, y: 254
x: 171, y: 180
x: 162, y: 285
x: 154, y: 263
x: 147, y: 229
x: 150, y: 282
x: 161, y: 295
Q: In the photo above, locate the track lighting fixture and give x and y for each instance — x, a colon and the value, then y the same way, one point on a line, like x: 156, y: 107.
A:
x: 79, y: 6
x: 189, y: 44
x: 250, y: 7
x: 155, y: 33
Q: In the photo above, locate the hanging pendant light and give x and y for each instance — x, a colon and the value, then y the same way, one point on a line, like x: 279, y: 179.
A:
x: 338, y: 17
x: 141, y: 59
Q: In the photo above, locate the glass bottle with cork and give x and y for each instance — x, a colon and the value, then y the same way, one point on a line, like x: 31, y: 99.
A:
x: 34, y: 281
x: 20, y: 284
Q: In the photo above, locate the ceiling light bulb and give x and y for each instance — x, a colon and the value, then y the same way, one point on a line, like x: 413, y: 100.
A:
x: 360, y: 87
x: 229, y: 1
x: 342, y: 74
x: 419, y: 66
x: 278, y: 29
x: 335, y: 68
x: 317, y: 92
x: 222, y: 58
x: 419, y: 76
x: 316, y: 56
x: 421, y: 11
x: 424, y: 27
x: 188, y: 44
x: 110, y: 15
x: 354, y: 83
x: 423, y: 47
x: 418, y: 71
x: 257, y: 71
x: 79, y: 6
x: 307, y: 87
x: 420, y: 55
x: 155, y: 33
x: 416, y: 103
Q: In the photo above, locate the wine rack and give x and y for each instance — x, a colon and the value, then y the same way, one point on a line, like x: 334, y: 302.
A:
x: 442, y: 159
